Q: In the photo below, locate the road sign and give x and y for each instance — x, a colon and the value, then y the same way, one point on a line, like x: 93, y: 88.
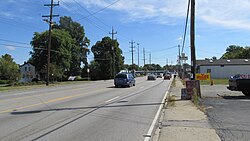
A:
x: 184, y: 58
x: 202, y: 76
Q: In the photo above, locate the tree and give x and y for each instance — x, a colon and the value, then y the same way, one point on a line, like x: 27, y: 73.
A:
x: 9, y: 70
x: 103, y: 55
x: 61, y: 55
x: 94, y: 73
x: 80, y: 51
x: 236, y: 52
x: 152, y: 67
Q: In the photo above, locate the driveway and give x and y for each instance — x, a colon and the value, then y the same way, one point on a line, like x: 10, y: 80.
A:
x: 228, y: 112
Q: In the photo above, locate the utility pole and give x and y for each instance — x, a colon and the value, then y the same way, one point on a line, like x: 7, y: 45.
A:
x: 179, y: 59
x: 150, y: 58
x: 132, y: 50
x: 138, y: 54
x: 192, y: 40
x: 166, y: 63
x: 144, y: 59
x: 113, y: 49
x: 50, y: 30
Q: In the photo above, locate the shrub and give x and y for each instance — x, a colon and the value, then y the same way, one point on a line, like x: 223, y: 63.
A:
x: 4, y: 81
x: 78, y: 78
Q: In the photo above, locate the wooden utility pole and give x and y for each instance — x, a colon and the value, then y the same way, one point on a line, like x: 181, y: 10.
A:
x: 138, y: 44
x: 132, y: 50
x: 50, y: 30
x: 192, y: 40
x: 113, y: 50
x: 144, y: 59
x: 150, y: 58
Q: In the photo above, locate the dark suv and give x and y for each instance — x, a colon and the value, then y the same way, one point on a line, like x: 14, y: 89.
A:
x: 124, y: 79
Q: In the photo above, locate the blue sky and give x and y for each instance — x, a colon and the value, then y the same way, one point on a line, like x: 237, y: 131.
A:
x: 158, y: 25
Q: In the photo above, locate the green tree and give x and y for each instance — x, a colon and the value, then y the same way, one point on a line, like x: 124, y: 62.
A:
x: 9, y: 70
x: 103, y: 55
x: 80, y: 51
x: 94, y: 73
x: 61, y: 45
x: 235, y: 52
x: 152, y: 67
x: 131, y: 67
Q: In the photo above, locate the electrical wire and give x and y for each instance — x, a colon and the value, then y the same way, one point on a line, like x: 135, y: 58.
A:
x: 185, y: 31
x: 88, y: 20
x: 14, y: 41
x: 164, y: 49
x: 92, y: 14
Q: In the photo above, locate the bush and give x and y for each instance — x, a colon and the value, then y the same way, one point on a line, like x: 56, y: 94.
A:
x: 78, y: 78
x: 29, y: 83
x: 35, y: 80
x: 4, y: 81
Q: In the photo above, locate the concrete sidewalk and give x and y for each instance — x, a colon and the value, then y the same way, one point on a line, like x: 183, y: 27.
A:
x: 183, y: 121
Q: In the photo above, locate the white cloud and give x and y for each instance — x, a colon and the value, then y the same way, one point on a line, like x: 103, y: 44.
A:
x: 232, y: 14
x: 10, y: 48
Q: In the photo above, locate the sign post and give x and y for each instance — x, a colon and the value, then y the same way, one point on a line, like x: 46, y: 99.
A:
x: 88, y: 73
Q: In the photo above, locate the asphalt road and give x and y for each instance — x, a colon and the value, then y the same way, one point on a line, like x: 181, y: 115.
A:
x: 228, y: 112
x: 95, y: 111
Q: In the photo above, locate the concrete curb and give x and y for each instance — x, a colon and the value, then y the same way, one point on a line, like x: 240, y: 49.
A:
x: 157, y: 127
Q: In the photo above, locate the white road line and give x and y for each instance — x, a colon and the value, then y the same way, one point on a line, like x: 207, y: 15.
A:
x: 150, y: 131
x: 112, y: 99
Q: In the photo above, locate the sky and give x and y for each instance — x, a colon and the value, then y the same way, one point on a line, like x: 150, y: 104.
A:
x: 157, y: 25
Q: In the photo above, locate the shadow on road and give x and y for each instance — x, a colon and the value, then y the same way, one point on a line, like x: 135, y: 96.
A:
x: 79, y: 108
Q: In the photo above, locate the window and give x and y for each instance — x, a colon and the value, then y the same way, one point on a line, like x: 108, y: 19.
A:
x: 29, y: 68
x: 208, y: 70
x: 25, y: 68
x: 24, y: 76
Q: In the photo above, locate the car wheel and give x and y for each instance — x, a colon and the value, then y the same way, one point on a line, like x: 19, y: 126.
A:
x: 116, y: 86
x: 134, y: 84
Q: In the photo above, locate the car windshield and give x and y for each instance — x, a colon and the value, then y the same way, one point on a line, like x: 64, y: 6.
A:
x: 121, y: 76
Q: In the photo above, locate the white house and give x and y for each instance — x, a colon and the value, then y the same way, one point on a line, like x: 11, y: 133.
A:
x: 28, y: 72
x: 223, y: 68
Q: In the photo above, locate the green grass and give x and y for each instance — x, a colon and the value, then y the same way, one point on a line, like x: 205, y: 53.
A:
x: 215, y: 82
x: 9, y: 88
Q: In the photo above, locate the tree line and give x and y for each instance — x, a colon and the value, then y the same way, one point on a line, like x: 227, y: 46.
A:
x: 70, y: 49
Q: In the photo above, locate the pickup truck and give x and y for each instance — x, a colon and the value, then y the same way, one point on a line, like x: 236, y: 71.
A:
x: 240, y: 82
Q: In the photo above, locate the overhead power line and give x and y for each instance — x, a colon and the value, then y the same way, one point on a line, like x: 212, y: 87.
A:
x: 91, y: 14
x: 88, y: 20
x: 14, y: 41
x: 185, y: 31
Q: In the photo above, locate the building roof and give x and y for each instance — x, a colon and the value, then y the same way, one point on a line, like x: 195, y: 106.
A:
x: 25, y: 64
x: 223, y: 62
